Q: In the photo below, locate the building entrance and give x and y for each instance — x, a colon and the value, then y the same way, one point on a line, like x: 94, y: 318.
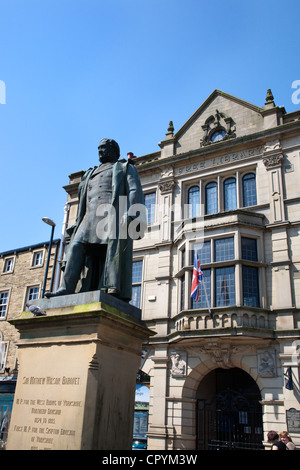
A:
x: 229, y: 413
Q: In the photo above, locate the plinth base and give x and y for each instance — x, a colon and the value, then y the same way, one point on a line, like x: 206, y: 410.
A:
x: 77, y: 376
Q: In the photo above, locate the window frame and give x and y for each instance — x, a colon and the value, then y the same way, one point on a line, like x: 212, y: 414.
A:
x: 5, y: 264
x: 253, y: 173
x: 213, y: 184
x: 235, y: 261
x: 3, y: 359
x: 4, y: 291
x: 137, y: 283
x: 229, y: 192
x: 33, y: 286
x: 255, y: 269
x: 193, y: 206
x: 151, y: 214
x: 35, y: 253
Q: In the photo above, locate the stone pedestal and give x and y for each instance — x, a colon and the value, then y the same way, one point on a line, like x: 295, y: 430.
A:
x: 77, y: 374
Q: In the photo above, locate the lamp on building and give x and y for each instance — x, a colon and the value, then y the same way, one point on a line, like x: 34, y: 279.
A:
x: 52, y: 224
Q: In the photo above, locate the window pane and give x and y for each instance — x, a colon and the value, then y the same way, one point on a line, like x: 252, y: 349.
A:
x: 182, y: 292
x: 249, y: 190
x: 136, y: 296
x: 211, y: 198
x: 194, y: 201
x: 202, y: 302
x: 224, y: 249
x: 3, y: 352
x: 204, y: 252
x: 38, y: 258
x: 249, y: 249
x: 183, y: 258
x: 33, y: 293
x: 229, y: 194
x: 225, y: 287
x: 250, y: 286
x: 3, y: 303
x: 137, y: 271
x: 150, y: 207
x: 9, y: 263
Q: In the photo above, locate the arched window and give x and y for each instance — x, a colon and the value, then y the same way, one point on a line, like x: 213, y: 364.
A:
x: 211, y: 198
x: 194, y: 201
x: 229, y: 194
x: 249, y: 190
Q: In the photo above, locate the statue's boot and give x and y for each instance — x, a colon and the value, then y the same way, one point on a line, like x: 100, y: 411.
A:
x: 72, y: 271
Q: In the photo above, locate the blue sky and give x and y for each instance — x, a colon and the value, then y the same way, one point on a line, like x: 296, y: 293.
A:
x: 76, y: 71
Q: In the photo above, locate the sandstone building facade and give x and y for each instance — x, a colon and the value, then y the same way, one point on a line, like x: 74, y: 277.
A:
x: 224, y: 370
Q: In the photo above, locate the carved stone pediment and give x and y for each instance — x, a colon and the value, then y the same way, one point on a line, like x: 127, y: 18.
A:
x: 218, y: 123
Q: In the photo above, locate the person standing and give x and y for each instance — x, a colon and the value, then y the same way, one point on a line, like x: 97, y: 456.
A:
x: 273, y: 438
x: 287, y: 440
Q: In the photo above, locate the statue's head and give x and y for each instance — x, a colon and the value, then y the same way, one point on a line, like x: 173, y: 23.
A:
x: 108, y: 150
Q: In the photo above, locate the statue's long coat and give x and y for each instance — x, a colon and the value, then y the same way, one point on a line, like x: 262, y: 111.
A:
x: 118, y: 265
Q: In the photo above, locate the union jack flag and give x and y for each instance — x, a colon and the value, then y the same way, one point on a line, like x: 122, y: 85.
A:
x: 197, y: 278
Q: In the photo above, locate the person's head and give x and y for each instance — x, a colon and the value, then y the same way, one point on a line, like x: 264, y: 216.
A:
x: 108, y: 150
x: 285, y: 437
x: 272, y: 436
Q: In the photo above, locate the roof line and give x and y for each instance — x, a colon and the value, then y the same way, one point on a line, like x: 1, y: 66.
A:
x: 26, y: 248
x: 208, y: 100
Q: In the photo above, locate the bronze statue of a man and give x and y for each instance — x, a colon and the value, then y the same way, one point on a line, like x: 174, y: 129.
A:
x: 99, y: 254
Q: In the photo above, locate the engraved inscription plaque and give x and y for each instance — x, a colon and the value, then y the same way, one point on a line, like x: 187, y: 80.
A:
x: 49, y: 405
x: 293, y: 420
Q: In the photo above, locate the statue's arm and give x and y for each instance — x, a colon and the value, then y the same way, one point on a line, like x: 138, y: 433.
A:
x: 134, y: 188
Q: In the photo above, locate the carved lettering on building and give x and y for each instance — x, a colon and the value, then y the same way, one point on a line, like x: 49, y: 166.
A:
x: 207, y: 163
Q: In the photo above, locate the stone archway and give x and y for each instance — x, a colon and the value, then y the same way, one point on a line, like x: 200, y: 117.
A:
x: 228, y: 412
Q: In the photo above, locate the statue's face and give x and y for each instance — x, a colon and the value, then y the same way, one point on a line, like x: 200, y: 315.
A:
x: 107, y: 152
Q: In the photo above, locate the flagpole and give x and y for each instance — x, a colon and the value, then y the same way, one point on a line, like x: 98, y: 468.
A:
x: 203, y: 282
x: 205, y: 291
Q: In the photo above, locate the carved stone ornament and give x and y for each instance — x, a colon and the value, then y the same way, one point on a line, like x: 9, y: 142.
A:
x: 218, y: 123
x: 266, y: 363
x: 167, y: 172
x: 272, y: 145
x: 272, y: 155
x: 178, y: 364
x: 219, y: 353
x: 273, y: 160
x: 166, y: 186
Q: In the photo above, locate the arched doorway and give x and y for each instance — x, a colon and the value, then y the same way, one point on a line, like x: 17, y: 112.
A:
x: 229, y: 413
